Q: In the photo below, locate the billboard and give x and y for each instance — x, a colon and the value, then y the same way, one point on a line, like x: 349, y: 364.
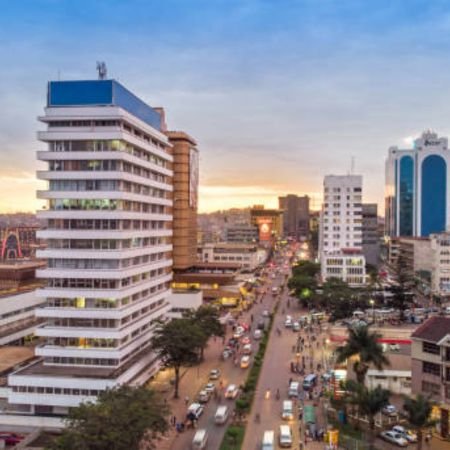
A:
x: 265, y: 229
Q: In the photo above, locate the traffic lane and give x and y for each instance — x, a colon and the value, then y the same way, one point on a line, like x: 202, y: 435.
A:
x: 274, y: 375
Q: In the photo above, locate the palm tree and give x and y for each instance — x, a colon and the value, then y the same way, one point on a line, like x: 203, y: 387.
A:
x: 364, y: 345
x: 418, y: 412
x: 369, y: 403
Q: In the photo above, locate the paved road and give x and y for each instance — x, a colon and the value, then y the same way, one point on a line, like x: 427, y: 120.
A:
x: 230, y: 374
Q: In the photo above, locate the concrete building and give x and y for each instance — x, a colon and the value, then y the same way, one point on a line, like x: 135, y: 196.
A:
x: 295, y: 216
x: 440, y: 267
x: 416, y: 255
x: 417, y: 189
x: 108, y: 234
x: 268, y: 221
x: 243, y: 234
x: 340, y: 234
x: 370, y: 235
x: 430, y: 354
x: 248, y: 256
x: 185, y: 199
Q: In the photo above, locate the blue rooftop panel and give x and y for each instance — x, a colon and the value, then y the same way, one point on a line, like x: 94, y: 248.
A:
x: 100, y: 93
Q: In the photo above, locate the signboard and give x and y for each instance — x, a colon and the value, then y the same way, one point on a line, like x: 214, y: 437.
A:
x: 265, y: 229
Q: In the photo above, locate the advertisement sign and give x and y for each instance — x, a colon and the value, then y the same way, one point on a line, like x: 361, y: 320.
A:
x: 265, y: 229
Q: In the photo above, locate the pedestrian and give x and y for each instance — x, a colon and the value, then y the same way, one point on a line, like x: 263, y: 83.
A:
x: 174, y: 420
x: 186, y: 400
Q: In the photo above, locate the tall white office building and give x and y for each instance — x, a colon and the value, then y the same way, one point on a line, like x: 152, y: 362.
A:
x: 340, y: 236
x: 108, y: 228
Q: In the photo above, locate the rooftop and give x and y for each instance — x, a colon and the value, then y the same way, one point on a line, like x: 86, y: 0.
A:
x: 433, y: 329
x: 11, y: 356
x: 101, y: 93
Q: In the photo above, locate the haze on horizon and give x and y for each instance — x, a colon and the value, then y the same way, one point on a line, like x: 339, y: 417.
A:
x: 278, y: 93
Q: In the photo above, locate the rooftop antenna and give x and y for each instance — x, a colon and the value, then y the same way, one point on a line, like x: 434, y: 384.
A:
x: 101, y: 69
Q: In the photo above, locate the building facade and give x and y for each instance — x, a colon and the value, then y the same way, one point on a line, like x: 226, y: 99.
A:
x: 268, y: 221
x: 244, y: 234
x: 248, y: 256
x: 340, y: 234
x: 430, y: 356
x: 108, y: 231
x: 295, y: 216
x: 185, y: 199
x: 440, y: 270
x: 417, y: 191
x: 370, y: 235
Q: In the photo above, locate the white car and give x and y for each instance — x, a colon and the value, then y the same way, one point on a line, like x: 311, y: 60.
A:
x: 394, y: 347
x: 288, y: 323
x: 196, y: 409
x: 210, y: 388
x: 394, y: 438
x: 407, y: 434
x: 245, y: 362
x: 214, y: 374
x: 296, y: 326
x: 257, y: 334
x: 266, y: 313
x: 231, y: 391
x: 389, y: 410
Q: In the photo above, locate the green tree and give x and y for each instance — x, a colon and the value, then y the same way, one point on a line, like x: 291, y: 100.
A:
x: 206, y: 317
x: 418, y: 412
x: 177, y: 343
x: 369, y: 403
x: 401, y: 298
x: 122, y: 418
x: 363, y: 345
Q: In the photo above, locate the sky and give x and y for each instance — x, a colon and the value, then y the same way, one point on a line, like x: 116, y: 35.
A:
x: 278, y: 93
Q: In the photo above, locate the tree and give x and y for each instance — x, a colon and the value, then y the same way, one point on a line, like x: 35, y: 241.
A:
x: 364, y: 345
x: 206, y: 317
x: 369, y: 403
x: 401, y: 298
x: 177, y: 344
x: 122, y: 418
x: 418, y: 412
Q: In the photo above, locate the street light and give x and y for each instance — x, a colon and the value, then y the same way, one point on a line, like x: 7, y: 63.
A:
x: 372, y: 302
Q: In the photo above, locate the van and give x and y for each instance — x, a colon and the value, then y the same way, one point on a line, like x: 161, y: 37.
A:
x: 221, y: 415
x: 287, y: 413
x: 293, y: 389
x: 285, y: 438
x: 268, y: 441
x: 309, y: 382
x: 200, y: 440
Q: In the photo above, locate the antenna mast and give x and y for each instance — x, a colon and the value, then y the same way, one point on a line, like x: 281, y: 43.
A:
x: 101, y: 69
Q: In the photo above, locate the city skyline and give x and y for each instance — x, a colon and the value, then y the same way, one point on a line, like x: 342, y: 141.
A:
x: 314, y: 84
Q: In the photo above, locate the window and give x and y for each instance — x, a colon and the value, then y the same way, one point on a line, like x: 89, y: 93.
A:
x: 429, y: 347
x: 431, y: 388
x: 431, y: 368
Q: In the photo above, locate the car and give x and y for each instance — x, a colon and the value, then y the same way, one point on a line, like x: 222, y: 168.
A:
x: 296, y: 326
x: 232, y: 342
x: 394, y: 347
x: 238, y: 333
x: 227, y: 353
x: 266, y: 313
x: 247, y: 349
x: 10, y: 438
x: 245, y: 362
x: 257, y: 334
x: 194, y: 411
x: 261, y: 324
x: 407, y: 434
x: 389, y: 410
x: 245, y: 340
x: 231, y: 392
x: 327, y: 376
x: 394, y: 438
x: 203, y: 396
x: 210, y: 388
x: 214, y: 374
x: 288, y: 323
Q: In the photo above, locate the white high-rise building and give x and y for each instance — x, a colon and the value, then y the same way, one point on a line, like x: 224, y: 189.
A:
x: 108, y: 233
x: 340, y: 236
